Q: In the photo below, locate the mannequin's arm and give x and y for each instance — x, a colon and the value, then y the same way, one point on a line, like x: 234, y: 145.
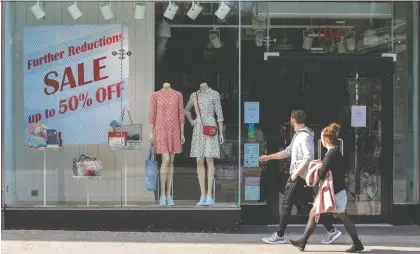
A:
x: 151, y: 134
x: 219, y: 114
x: 187, y: 111
x: 182, y: 134
x: 152, y: 116
x: 221, y: 137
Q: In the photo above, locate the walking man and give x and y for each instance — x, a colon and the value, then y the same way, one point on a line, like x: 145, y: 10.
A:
x: 301, y: 151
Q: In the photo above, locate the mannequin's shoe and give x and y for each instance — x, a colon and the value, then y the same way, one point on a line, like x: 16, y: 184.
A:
x: 202, y: 201
x: 209, y: 201
x: 162, y: 200
x: 169, y: 201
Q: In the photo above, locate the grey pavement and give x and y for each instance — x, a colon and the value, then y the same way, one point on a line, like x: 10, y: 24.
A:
x: 377, y: 239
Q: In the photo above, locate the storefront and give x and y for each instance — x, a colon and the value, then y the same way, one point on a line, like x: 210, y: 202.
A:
x: 92, y: 76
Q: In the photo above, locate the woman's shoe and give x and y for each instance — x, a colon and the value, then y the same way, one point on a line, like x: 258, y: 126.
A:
x: 356, y: 247
x: 300, y: 244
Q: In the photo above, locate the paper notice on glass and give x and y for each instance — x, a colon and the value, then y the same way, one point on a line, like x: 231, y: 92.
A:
x: 251, y: 155
x: 358, y: 116
x: 252, y: 188
x: 251, y: 112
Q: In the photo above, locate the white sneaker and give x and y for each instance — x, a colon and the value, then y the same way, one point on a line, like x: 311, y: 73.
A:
x: 169, y: 201
x: 209, y: 201
x: 162, y: 200
x: 274, y: 239
x: 331, y: 236
x: 202, y: 201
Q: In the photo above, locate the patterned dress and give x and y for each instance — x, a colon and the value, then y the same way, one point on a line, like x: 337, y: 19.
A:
x: 166, y: 114
x: 202, y: 145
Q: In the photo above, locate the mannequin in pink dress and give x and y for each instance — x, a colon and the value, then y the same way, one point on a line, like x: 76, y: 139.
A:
x: 166, y: 115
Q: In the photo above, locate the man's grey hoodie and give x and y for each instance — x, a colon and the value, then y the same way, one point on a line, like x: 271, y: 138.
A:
x: 301, y: 150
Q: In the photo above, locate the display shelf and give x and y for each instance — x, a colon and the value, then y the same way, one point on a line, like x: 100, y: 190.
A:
x: 41, y: 149
x: 126, y: 149
x: 87, y: 178
x: 45, y: 150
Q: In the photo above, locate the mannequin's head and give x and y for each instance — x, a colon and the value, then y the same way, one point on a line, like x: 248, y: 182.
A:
x: 297, y: 119
x: 204, y: 85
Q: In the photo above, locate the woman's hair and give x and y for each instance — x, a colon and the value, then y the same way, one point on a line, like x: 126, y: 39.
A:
x: 331, y: 133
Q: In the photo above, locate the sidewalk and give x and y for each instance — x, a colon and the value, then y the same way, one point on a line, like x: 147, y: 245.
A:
x: 385, y: 240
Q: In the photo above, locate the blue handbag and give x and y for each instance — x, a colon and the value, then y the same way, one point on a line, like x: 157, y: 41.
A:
x: 151, y: 171
x: 38, y: 142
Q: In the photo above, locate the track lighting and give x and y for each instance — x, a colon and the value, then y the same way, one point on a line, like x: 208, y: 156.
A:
x: 194, y: 11
x: 222, y: 11
x: 106, y: 11
x: 139, y: 11
x: 74, y: 11
x: 171, y: 11
x: 37, y: 11
x: 259, y: 38
x: 214, y: 38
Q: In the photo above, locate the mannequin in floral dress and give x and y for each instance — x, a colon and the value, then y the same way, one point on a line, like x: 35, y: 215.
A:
x: 167, y: 120
x: 203, y: 146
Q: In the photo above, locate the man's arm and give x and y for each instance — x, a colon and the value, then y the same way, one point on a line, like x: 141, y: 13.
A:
x: 286, y: 153
x: 308, y: 155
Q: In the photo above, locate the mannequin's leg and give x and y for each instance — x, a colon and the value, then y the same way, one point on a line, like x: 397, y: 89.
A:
x: 210, y: 176
x: 201, y: 174
x: 163, y: 177
x: 210, y: 179
x: 170, y: 179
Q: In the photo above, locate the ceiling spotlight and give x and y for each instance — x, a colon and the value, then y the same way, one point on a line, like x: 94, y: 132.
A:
x: 259, y: 38
x: 222, y: 11
x: 195, y: 9
x: 106, y: 11
x: 214, y: 38
x: 164, y: 30
x: 74, y: 11
x: 171, y: 11
x: 37, y: 11
x: 140, y: 11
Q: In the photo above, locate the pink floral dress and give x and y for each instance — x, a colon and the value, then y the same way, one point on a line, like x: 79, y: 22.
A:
x: 167, y: 114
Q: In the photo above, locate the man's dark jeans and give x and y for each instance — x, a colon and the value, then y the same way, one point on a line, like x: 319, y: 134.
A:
x: 294, y: 190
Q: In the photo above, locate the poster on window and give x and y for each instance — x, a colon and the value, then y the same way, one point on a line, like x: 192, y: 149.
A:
x: 75, y: 80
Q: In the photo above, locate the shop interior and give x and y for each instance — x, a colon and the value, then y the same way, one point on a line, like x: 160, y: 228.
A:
x: 189, y: 50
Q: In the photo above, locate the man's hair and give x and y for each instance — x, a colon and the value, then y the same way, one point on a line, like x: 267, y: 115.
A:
x: 299, y: 115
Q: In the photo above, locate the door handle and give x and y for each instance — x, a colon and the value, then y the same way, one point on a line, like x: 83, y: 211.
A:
x: 341, y: 146
x: 320, y: 147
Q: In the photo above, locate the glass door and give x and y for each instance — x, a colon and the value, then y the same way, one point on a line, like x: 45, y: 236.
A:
x: 354, y: 91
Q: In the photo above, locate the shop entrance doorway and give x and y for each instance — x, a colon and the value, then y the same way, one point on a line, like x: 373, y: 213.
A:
x: 329, y: 88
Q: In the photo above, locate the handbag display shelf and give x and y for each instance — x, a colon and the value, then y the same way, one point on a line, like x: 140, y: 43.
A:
x: 133, y: 131
x: 45, y: 150
x: 87, y: 179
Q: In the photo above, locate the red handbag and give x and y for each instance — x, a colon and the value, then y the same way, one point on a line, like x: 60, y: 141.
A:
x: 208, y: 130
x: 117, y: 139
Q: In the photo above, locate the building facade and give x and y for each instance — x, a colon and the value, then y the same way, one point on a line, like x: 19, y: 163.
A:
x: 87, y: 78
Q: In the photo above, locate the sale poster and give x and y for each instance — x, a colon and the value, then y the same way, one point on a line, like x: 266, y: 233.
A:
x: 75, y: 79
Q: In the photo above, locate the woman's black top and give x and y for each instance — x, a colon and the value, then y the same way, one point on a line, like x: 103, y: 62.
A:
x: 334, y: 161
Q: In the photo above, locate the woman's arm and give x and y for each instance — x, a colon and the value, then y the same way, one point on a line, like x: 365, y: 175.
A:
x: 326, y: 164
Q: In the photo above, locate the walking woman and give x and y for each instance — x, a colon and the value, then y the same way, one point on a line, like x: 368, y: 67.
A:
x: 333, y: 162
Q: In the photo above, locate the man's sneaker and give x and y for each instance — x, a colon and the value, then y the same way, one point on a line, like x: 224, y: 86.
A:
x: 331, y: 236
x: 274, y: 239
